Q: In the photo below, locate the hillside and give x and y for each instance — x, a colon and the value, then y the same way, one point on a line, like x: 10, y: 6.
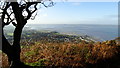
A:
x: 54, y: 49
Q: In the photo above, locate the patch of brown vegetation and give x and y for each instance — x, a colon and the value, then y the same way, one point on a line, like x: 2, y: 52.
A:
x: 71, y: 54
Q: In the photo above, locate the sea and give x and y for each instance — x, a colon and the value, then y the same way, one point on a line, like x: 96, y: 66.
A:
x: 101, y: 32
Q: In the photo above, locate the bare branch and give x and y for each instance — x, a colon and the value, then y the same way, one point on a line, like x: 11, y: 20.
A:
x: 35, y: 6
x: 33, y: 17
x: 14, y: 24
x: 49, y: 5
x: 29, y: 11
x: 5, y: 13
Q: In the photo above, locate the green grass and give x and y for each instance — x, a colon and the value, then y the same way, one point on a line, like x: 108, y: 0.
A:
x: 10, y: 34
x: 38, y: 63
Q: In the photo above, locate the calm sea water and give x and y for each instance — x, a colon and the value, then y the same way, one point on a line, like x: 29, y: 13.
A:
x: 102, y: 32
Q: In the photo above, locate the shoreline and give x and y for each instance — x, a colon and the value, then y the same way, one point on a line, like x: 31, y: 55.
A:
x: 98, y: 32
x: 33, y: 34
x: 50, y: 36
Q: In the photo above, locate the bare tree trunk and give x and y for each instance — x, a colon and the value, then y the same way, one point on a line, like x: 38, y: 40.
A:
x: 7, y: 48
x: 13, y: 51
x: 17, y: 34
x: 16, y: 45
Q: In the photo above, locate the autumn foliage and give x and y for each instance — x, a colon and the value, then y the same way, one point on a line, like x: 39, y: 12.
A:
x: 99, y: 54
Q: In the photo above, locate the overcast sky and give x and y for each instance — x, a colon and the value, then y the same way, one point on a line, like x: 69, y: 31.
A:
x: 78, y: 13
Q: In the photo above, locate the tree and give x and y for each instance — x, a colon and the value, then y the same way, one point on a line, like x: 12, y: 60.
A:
x: 17, y: 13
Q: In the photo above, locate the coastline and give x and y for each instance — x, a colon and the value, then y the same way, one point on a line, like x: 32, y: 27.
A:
x: 97, y: 32
x: 51, y: 36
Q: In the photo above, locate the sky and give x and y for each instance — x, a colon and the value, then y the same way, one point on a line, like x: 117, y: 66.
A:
x: 78, y: 13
